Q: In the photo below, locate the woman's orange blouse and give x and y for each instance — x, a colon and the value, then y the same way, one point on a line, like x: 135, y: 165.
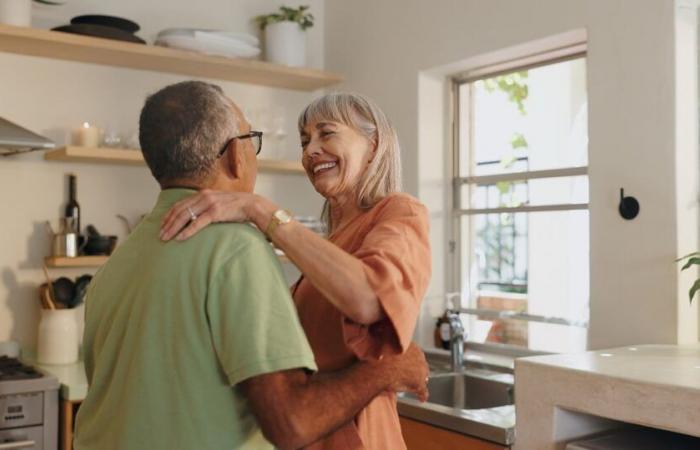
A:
x: 392, y: 241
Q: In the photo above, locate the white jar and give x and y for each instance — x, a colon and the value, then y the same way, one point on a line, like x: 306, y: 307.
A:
x: 285, y: 43
x: 58, y: 337
x: 16, y: 12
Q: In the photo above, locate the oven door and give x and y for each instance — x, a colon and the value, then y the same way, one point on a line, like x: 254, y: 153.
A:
x: 28, y: 438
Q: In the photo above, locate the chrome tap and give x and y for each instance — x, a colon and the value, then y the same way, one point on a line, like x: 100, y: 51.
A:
x: 457, y: 334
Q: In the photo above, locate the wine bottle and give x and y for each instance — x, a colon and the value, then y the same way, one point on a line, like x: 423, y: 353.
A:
x: 72, y: 207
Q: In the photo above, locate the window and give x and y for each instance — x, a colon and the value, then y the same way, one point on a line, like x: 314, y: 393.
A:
x: 521, y: 226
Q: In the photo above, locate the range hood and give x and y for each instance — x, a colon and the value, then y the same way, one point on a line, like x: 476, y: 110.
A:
x: 15, y: 139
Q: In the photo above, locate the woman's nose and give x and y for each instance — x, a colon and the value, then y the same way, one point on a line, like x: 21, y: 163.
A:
x: 313, y: 148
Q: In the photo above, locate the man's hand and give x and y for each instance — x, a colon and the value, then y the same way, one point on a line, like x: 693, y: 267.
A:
x: 409, y: 372
x: 292, y: 407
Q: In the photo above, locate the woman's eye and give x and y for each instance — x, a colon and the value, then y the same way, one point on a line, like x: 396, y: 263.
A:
x: 326, y: 133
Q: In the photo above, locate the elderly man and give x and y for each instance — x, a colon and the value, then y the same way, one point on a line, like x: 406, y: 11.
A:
x: 196, y: 345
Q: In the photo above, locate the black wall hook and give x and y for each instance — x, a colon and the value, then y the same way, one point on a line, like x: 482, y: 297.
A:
x: 629, y: 206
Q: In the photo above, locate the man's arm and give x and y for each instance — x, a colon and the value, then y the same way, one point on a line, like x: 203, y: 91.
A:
x: 295, y: 409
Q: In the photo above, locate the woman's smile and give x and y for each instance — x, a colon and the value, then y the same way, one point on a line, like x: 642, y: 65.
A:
x: 323, y: 167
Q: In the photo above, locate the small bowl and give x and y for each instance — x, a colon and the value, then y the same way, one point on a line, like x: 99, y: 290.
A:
x: 100, y: 245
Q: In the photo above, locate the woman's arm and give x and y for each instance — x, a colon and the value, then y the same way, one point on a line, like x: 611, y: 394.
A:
x: 338, y: 275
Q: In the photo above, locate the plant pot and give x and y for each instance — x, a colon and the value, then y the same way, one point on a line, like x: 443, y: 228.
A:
x: 16, y: 12
x: 285, y: 43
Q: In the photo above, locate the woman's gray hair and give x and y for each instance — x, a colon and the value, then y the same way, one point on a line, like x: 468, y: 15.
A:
x: 383, y: 175
x: 182, y: 128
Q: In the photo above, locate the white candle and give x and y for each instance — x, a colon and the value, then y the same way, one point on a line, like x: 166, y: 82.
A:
x: 87, y: 136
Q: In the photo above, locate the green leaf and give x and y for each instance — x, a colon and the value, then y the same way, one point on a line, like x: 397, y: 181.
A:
x: 504, y: 186
x: 690, y: 262
x: 297, y: 15
x: 518, y: 141
x: 688, y: 256
x: 508, y: 160
x: 694, y: 289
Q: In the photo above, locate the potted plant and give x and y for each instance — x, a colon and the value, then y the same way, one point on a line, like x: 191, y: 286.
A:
x: 19, y: 12
x: 691, y: 259
x: 285, y: 35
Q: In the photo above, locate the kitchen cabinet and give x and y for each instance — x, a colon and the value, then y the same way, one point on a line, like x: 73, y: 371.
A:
x: 422, y: 436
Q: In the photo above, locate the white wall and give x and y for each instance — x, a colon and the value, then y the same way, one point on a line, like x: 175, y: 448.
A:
x: 387, y: 50
x: 51, y: 96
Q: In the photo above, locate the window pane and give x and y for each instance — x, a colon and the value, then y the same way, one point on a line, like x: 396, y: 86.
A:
x: 538, y: 115
x: 537, y: 192
x: 534, y: 263
x: 544, y: 337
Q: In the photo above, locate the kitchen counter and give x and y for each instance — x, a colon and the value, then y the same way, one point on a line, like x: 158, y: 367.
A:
x: 71, y: 376
x: 562, y: 397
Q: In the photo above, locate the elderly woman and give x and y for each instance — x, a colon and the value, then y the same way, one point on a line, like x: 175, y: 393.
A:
x: 360, y: 290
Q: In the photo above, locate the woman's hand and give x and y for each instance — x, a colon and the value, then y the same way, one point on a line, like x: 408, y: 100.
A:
x: 209, y: 207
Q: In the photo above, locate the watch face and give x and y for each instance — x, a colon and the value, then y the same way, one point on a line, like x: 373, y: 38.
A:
x: 283, y: 216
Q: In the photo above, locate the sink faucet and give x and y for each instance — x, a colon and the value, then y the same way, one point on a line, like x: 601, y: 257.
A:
x: 457, y: 334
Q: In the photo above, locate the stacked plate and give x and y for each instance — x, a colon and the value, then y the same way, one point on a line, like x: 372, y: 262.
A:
x: 107, y: 27
x: 211, y: 42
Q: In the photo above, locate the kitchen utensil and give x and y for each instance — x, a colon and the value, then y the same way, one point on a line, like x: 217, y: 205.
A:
x: 45, y: 298
x: 98, y: 244
x: 81, y: 285
x: 50, y: 299
x: 107, y: 21
x: 64, y: 290
x: 100, y: 31
x: 67, y: 241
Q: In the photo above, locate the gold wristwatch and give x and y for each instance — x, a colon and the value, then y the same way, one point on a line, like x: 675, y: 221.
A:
x: 279, y: 217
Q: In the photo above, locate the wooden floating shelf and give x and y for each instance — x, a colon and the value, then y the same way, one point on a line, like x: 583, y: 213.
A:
x: 77, y: 261
x: 73, y: 47
x: 135, y: 158
x: 96, y: 155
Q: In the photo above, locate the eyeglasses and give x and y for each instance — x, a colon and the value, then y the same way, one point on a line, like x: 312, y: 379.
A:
x: 255, y: 139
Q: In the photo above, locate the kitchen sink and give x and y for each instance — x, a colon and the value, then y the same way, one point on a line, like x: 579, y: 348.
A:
x: 476, y: 401
x: 465, y: 391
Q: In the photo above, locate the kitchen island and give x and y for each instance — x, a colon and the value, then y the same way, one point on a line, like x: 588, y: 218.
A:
x: 559, y: 398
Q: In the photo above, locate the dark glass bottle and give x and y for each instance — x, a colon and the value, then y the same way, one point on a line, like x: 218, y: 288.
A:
x: 72, y: 207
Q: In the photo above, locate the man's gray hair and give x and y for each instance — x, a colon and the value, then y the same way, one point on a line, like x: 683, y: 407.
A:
x: 181, y: 129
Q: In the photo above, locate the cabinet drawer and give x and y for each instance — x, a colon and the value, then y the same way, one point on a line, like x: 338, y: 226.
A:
x: 421, y: 436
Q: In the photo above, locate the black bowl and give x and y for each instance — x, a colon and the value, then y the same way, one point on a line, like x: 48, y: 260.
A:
x: 100, y: 245
x: 107, y: 21
x: 100, y: 31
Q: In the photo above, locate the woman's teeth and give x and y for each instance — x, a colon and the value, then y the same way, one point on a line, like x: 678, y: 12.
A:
x: 323, y: 166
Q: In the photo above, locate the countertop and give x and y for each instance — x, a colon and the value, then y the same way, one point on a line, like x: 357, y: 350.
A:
x: 561, y: 397
x: 72, y: 377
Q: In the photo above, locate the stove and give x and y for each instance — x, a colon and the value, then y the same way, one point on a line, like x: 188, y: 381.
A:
x: 28, y: 407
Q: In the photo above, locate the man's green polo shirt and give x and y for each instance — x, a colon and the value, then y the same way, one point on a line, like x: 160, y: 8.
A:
x: 170, y: 331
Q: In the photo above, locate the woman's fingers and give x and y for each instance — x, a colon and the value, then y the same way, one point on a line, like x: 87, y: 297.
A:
x: 215, y: 206
x: 181, y: 213
x: 194, y: 226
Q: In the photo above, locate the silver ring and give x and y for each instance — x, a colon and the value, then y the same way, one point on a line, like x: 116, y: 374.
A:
x: 193, y: 216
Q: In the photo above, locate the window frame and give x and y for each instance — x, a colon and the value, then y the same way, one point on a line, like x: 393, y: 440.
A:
x: 456, y: 243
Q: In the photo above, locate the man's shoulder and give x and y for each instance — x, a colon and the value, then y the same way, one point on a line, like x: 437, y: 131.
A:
x: 237, y: 239
x: 242, y: 233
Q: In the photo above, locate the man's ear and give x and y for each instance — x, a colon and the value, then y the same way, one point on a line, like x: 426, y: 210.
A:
x: 234, y: 159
